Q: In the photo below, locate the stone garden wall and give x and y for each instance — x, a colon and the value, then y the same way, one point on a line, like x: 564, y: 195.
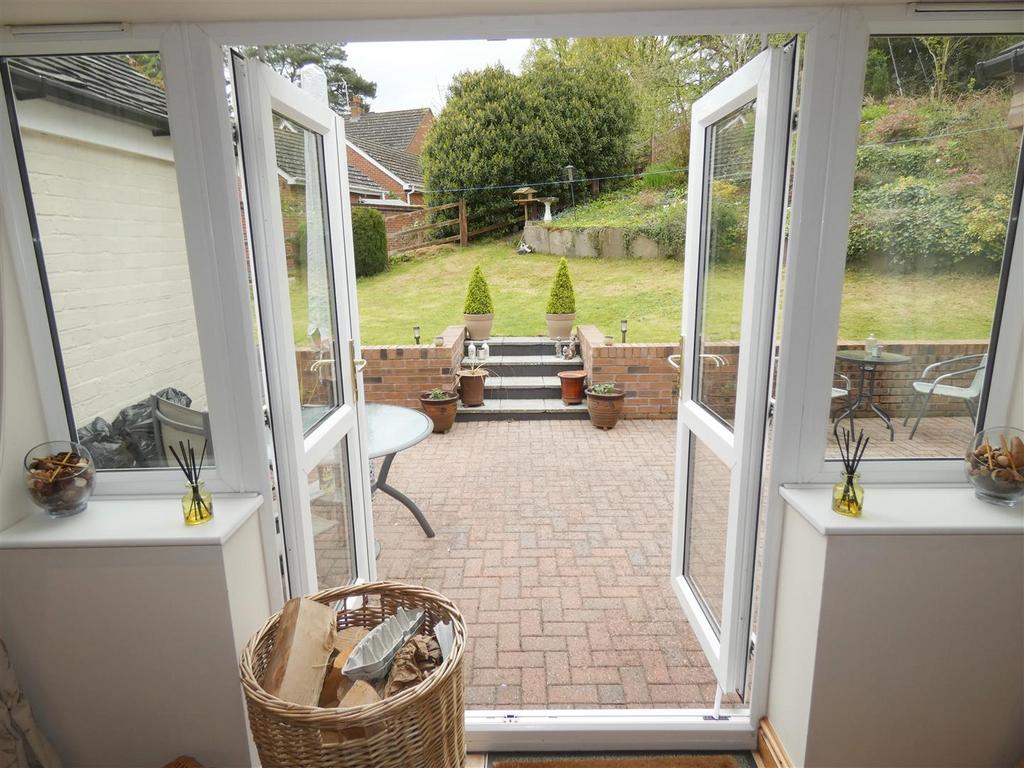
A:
x: 594, y: 242
x: 399, y: 373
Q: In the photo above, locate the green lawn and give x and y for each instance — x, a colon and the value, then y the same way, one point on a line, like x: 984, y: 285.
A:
x: 428, y: 291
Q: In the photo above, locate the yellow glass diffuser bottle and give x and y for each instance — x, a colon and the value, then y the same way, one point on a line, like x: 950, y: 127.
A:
x: 848, y: 495
x: 196, y: 504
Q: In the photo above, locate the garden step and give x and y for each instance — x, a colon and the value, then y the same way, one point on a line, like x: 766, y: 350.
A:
x: 522, y: 387
x: 520, y: 345
x: 530, y: 365
x: 522, y: 410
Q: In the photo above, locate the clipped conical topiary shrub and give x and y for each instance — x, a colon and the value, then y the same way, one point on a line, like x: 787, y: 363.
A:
x: 562, y: 300
x: 478, y: 295
x: 478, y: 311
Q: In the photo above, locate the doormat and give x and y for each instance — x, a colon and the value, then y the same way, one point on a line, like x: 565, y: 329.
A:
x: 679, y: 760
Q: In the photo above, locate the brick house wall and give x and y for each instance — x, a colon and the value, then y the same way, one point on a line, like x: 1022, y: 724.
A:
x: 375, y: 174
x: 416, y: 144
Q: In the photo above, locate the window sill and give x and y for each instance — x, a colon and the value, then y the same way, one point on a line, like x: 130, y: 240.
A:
x: 132, y: 522
x: 889, y: 511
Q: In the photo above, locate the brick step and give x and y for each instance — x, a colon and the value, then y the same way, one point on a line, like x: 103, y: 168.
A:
x: 519, y: 346
x: 522, y: 410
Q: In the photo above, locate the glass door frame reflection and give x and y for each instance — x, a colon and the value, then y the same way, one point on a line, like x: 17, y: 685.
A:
x: 767, y: 81
x: 262, y: 95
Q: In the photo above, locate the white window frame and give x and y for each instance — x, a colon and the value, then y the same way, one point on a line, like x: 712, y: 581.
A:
x: 832, y: 86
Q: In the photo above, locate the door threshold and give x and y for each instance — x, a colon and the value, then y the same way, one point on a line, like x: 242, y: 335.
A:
x: 608, y: 729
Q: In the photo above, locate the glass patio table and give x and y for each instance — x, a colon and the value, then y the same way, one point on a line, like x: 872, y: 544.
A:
x: 390, y: 430
x: 868, y: 364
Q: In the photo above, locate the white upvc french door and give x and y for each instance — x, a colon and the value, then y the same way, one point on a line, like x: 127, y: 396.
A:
x: 296, y: 189
x: 737, y: 189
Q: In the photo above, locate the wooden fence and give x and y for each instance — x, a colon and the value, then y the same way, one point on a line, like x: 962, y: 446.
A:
x: 398, y: 241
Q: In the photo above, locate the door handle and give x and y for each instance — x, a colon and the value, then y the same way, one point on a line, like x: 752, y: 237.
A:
x: 358, y: 364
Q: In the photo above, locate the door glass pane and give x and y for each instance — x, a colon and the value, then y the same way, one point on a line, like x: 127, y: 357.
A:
x: 707, y: 504
x: 102, y: 184
x: 330, y: 501
x: 940, y: 134
x: 729, y: 161
x: 301, y: 183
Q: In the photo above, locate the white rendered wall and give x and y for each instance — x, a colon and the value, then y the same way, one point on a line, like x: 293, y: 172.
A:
x: 21, y: 413
x: 106, y: 199
x: 894, y: 651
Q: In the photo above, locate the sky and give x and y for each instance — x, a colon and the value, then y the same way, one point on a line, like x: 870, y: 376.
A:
x: 417, y: 74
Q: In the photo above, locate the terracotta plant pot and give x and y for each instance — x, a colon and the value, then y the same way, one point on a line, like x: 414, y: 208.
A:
x: 479, y: 326
x: 572, y: 386
x: 441, y: 411
x: 560, y: 326
x: 471, y: 387
x: 605, y: 410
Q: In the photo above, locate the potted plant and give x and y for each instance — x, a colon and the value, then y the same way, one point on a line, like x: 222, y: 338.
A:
x: 471, y: 385
x: 440, y: 405
x: 478, y: 311
x: 561, y: 312
x: 604, y: 404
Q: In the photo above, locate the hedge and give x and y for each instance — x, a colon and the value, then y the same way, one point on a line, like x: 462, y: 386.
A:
x: 370, y: 239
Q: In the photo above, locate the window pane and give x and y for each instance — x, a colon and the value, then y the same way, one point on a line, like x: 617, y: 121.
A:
x: 708, y: 482
x: 100, y: 167
x: 940, y: 133
x: 310, y: 277
x: 330, y: 501
x: 730, y: 152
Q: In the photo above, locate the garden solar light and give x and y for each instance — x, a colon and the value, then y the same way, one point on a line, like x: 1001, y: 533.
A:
x: 623, y: 327
x: 416, y: 333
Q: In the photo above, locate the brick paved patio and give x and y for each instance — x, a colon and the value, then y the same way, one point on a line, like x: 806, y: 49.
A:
x: 554, y: 539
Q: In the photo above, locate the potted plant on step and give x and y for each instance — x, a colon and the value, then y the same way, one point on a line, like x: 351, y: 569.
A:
x: 471, y: 384
x: 478, y: 311
x: 561, y: 312
x: 604, y: 404
x: 440, y: 405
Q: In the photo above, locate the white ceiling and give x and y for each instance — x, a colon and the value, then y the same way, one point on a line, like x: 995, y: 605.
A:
x: 139, y: 11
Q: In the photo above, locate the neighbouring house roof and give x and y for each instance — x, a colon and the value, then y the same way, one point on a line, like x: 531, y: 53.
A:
x: 395, y: 129
x: 291, y: 161
x: 108, y: 84
x: 403, y: 165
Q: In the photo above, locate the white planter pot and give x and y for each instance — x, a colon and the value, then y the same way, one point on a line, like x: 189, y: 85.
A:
x: 479, y: 326
x: 560, y: 326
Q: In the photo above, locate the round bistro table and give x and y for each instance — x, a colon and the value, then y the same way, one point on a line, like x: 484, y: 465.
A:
x: 869, y: 365
x: 390, y: 430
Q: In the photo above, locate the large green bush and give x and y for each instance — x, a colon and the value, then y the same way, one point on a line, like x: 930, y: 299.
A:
x: 370, y: 239
x: 562, y: 300
x: 478, y: 295
x: 499, y: 130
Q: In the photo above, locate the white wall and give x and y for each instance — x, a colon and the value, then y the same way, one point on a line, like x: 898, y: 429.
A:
x: 21, y: 413
x: 106, y: 199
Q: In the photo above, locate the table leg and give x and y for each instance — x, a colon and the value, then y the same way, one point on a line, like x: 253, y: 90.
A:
x: 401, y: 498
x: 878, y: 410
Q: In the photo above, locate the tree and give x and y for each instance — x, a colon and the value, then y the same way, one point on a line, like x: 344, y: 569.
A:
x: 288, y: 60
x: 498, y: 131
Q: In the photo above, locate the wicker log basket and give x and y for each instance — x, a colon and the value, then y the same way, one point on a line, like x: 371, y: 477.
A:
x: 421, y: 727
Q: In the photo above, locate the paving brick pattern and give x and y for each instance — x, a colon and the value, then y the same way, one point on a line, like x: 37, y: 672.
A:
x: 554, y: 539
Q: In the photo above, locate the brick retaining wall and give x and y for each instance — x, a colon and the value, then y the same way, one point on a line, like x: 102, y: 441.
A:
x: 641, y: 369
x: 399, y: 373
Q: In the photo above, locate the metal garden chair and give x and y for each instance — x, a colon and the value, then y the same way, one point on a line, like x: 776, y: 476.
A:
x: 931, y: 384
